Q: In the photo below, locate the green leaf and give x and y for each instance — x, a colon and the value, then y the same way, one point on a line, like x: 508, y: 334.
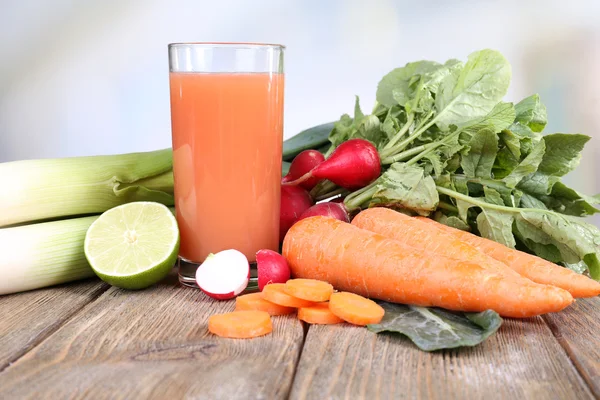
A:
x: 311, y: 138
x: 530, y: 201
x: 579, y: 267
x: 568, y: 201
x: 342, y: 130
x: 478, y: 162
x: 497, y: 120
x: 473, y: 91
x: 492, y: 196
x: 563, y: 153
x: 527, y: 167
x: 496, y: 226
x: 576, y: 240
x: 538, y: 184
x: 512, y: 143
x: 505, y: 163
x: 436, y: 163
x: 395, y: 87
x: 453, y: 222
x: 532, y: 113
x: 463, y: 209
x: 406, y: 187
x: 358, y: 114
x: 435, y: 328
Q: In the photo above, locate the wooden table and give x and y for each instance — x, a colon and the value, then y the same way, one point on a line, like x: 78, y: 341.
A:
x: 87, y: 340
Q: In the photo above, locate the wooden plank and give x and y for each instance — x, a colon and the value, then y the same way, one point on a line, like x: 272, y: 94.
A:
x: 578, y: 330
x: 523, y: 360
x: 29, y: 317
x: 154, y: 344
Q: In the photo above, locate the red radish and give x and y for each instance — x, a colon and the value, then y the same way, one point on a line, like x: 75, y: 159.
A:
x: 332, y: 210
x: 352, y: 165
x: 271, y: 268
x: 294, y: 201
x: 223, y: 275
x: 302, y: 164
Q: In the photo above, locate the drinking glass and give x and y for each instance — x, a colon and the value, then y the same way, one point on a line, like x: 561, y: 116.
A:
x: 227, y: 133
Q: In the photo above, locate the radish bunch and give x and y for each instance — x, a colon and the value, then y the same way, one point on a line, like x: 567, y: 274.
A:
x: 353, y: 165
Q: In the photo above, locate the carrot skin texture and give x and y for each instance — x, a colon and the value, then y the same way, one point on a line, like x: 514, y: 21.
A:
x: 256, y: 302
x: 240, y: 324
x: 318, y: 314
x: 413, y: 232
x: 532, y: 267
x: 371, y: 265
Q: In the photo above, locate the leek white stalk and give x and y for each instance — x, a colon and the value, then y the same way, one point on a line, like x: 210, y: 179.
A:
x: 34, y: 190
x: 45, y: 254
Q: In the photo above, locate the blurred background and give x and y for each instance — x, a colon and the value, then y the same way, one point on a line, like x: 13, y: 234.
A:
x: 90, y: 77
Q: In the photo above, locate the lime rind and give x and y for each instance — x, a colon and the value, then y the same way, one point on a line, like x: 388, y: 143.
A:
x: 134, y: 245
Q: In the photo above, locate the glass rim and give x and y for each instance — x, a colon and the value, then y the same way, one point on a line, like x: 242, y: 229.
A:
x: 241, y: 45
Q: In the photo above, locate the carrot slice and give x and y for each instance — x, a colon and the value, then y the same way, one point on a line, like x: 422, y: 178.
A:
x: 355, y: 309
x: 275, y: 293
x: 318, y: 314
x: 255, y: 301
x: 240, y: 324
x: 309, y: 289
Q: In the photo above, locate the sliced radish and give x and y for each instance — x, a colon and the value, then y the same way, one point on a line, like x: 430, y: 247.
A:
x: 271, y: 267
x: 223, y: 275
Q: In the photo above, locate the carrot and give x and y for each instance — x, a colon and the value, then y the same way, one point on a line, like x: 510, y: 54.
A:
x: 355, y: 309
x: 318, y: 314
x: 414, y: 232
x: 308, y: 289
x: 535, y: 268
x: 240, y: 324
x: 369, y: 264
x: 255, y: 301
x: 275, y: 293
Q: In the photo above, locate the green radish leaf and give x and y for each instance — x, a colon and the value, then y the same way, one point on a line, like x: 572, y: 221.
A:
x: 565, y: 200
x: 579, y: 267
x: 504, y: 164
x: 463, y: 209
x: 472, y: 91
x: 497, y: 120
x: 497, y: 226
x: 512, y: 143
x: 563, y: 153
x: 394, y: 88
x: 527, y: 167
x: 530, y: 201
x: 435, y: 328
x: 479, y: 160
x: 492, y: 196
x: 532, y: 113
x: 407, y: 187
x: 358, y: 114
x: 453, y: 222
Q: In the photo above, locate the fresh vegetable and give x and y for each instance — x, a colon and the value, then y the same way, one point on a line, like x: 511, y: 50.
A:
x: 329, y: 209
x: 44, y: 254
x: 294, y: 201
x: 309, y: 289
x: 318, y: 314
x: 51, y: 188
x: 450, y: 147
x: 312, y: 138
x: 414, y: 232
x: 302, y: 164
x: 434, y: 328
x: 275, y: 293
x: 532, y: 267
x: 223, y: 275
x: 271, y: 267
x: 352, y: 165
x: 240, y: 324
x: 355, y: 309
x: 359, y: 261
x: 134, y: 245
x: 255, y: 301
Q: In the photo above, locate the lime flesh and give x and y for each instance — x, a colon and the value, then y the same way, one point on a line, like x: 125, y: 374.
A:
x: 134, y: 245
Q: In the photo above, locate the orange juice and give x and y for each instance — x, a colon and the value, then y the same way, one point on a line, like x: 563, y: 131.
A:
x: 227, y: 141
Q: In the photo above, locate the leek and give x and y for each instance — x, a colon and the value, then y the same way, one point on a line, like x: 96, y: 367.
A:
x: 35, y: 190
x: 45, y: 254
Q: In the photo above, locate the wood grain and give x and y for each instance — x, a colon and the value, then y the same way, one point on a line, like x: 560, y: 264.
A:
x: 154, y: 344
x: 578, y: 330
x: 523, y: 360
x: 29, y: 317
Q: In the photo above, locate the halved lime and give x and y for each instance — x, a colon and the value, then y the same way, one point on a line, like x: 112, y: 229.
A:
x: 134, y: 245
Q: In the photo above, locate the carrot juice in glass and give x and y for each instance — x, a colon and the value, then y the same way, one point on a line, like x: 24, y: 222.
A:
x: 227, y: 131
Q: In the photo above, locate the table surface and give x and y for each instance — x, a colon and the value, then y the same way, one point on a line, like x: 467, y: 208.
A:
x: 89, y: 340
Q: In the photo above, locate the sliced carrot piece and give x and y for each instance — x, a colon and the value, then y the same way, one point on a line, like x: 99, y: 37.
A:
x: 318, y: 314
x: 309, y: 289
x: 355, y: 309
x: 275, y: 293
x: 255, y: 301
x: 240, y: 324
